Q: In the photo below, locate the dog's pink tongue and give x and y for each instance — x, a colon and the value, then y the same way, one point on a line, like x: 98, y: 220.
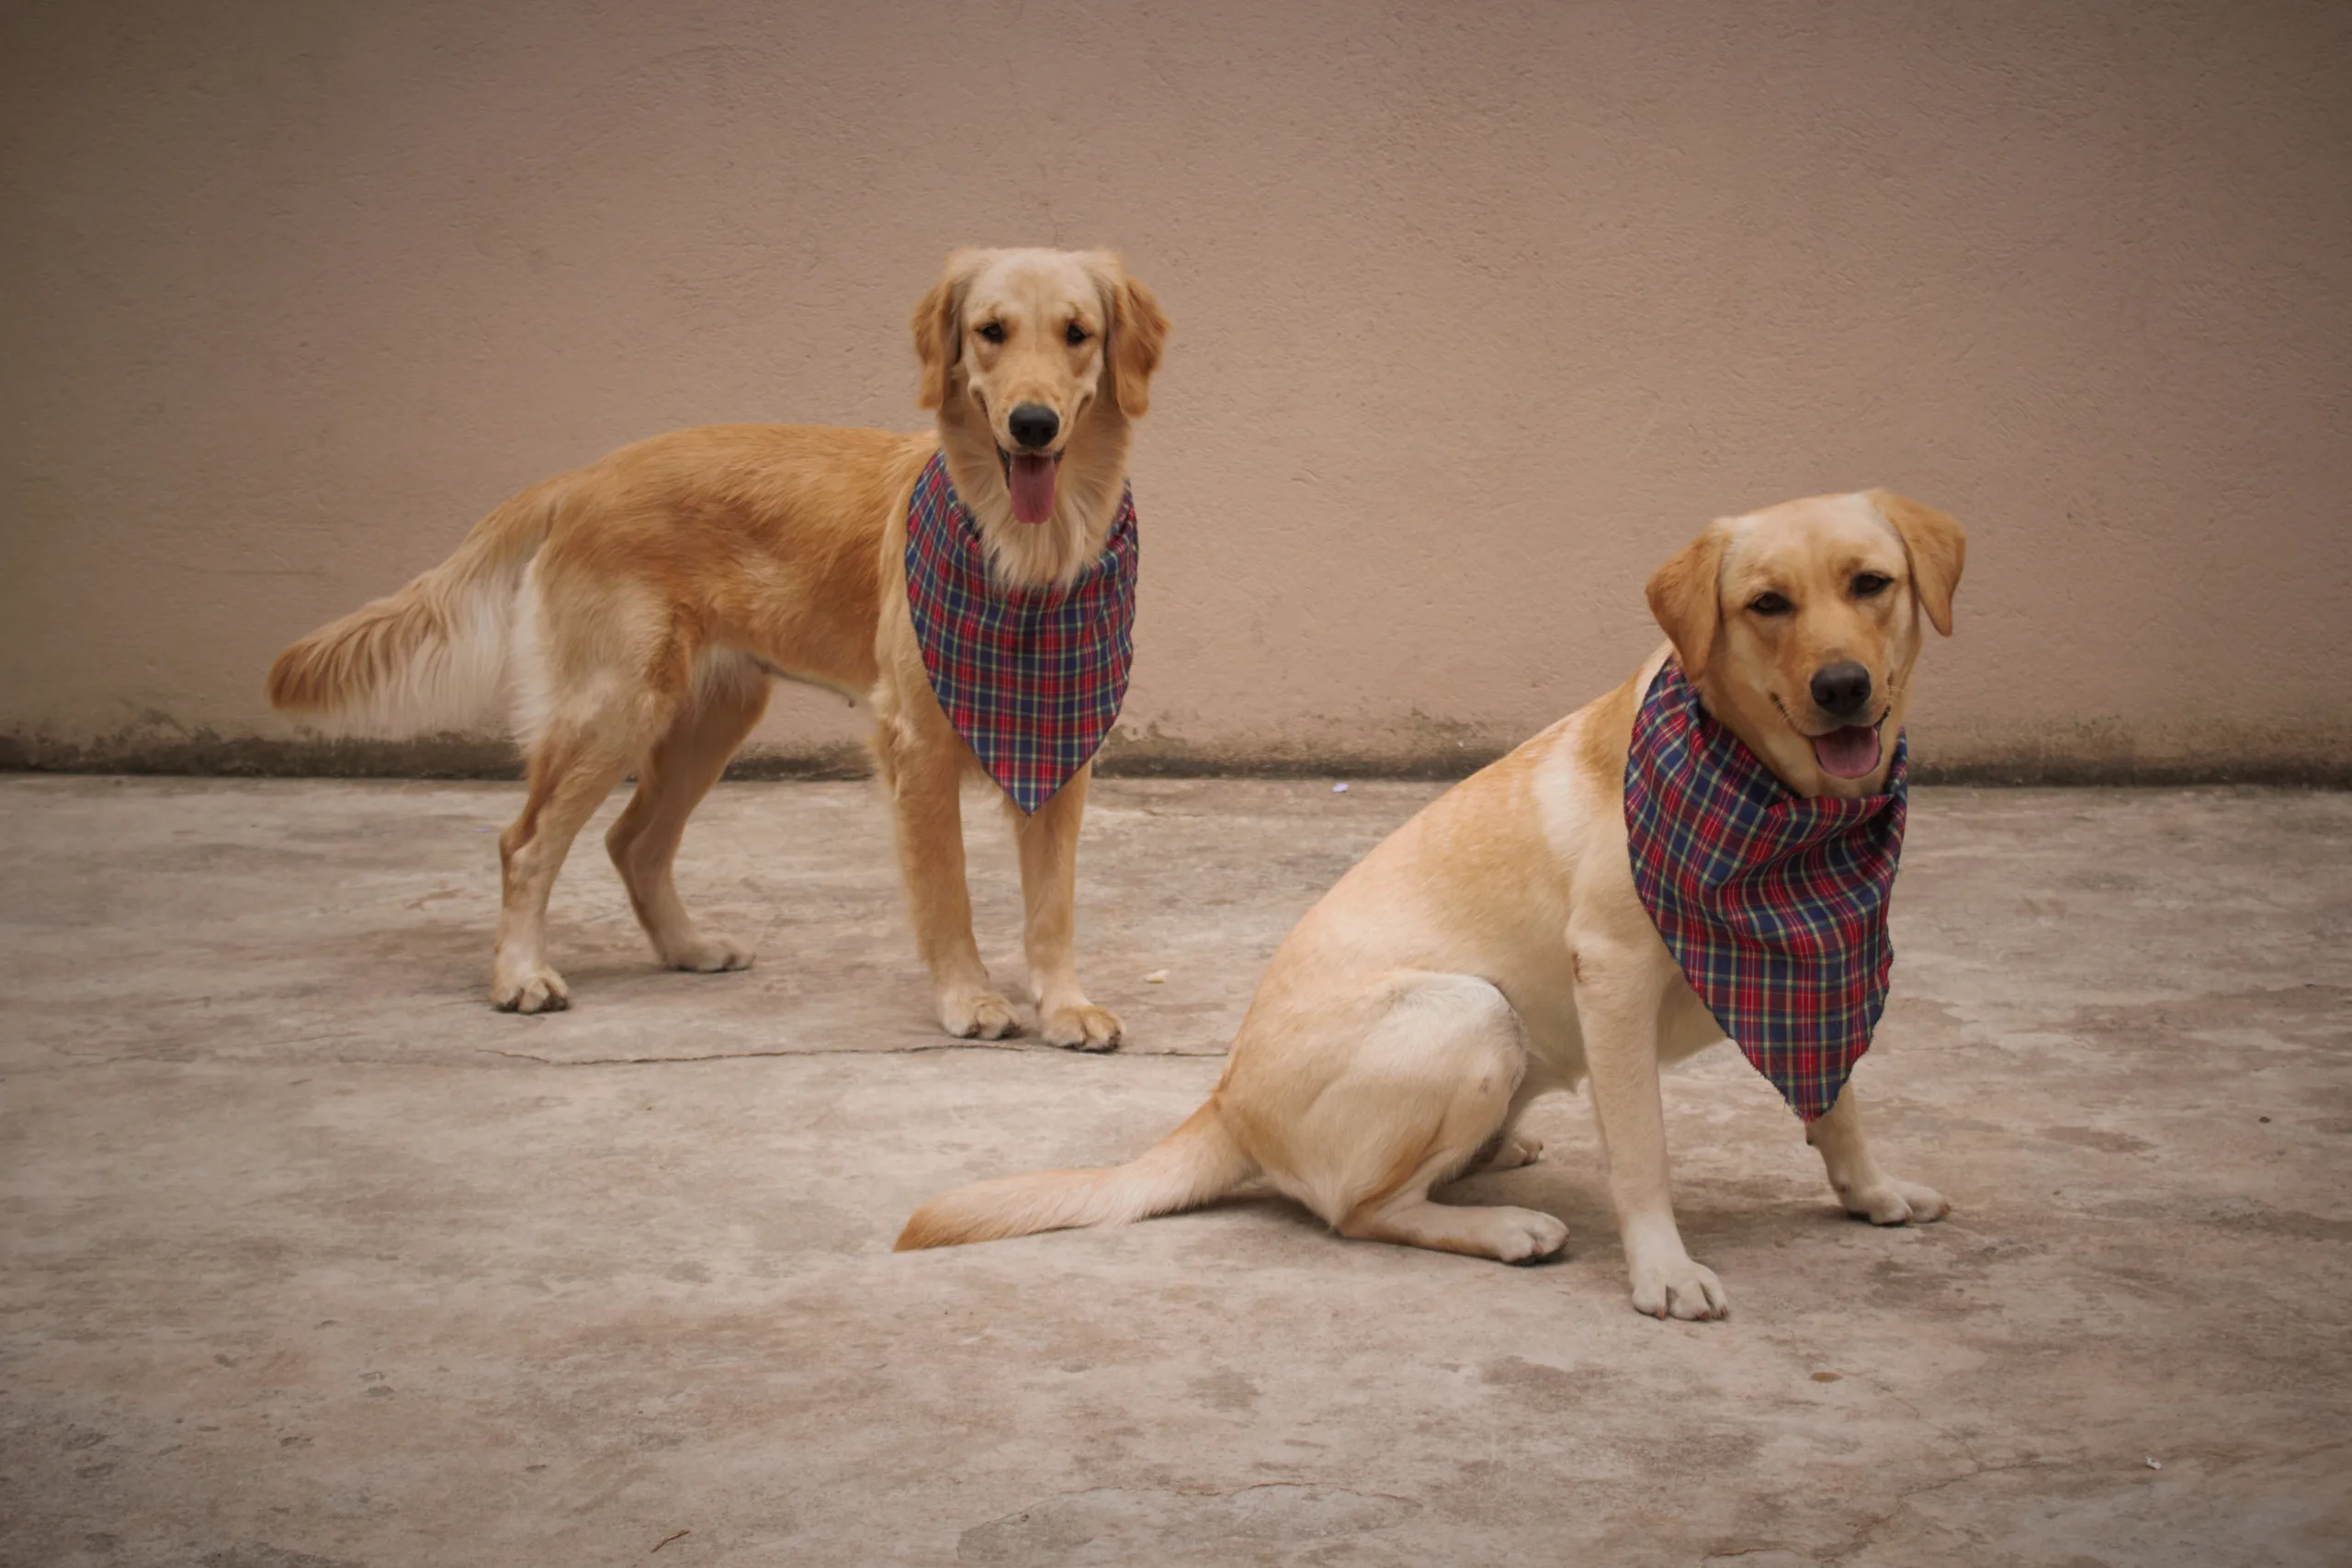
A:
x: 1032, y: 487
x: 1847, y: 753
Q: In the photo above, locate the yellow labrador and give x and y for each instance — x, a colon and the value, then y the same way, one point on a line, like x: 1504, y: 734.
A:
x: 641, y: 604
x: 1495, y: 947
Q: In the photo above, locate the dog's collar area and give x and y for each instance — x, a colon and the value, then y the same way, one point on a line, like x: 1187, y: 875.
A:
x: 1031, y: 677
x: 1773, y: 905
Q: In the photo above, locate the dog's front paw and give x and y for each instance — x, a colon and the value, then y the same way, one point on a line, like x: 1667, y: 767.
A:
x: 977, y: 1015
x: 1084, y: 1027
x: 706, y: 953
x: 1893, y: 1203
x: 1680, y: 1289
x: 527, y: 987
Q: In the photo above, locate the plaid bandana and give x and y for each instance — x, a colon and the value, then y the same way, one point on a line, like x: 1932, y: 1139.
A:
x: 1774, y: 905
x: 1030, y: 677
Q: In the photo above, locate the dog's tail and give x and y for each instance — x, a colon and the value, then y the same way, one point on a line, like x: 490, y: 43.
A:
x: 1197, y: 1162
x: 432, y: 656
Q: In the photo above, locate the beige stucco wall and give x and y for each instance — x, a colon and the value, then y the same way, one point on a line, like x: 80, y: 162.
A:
x: 1481, y: 309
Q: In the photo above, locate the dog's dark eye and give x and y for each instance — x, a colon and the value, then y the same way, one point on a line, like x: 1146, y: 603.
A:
x: 1075, y: 334
x: 1870, y: 584
x: 992, y: 331
x: 1770, y: 604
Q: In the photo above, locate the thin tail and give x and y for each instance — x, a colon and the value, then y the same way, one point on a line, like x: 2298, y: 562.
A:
x: 432, y: 655
x: 1197, y: 1162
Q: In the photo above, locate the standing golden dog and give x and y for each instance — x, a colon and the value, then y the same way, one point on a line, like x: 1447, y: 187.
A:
x: 1495, y: 947
x: 640, y: 604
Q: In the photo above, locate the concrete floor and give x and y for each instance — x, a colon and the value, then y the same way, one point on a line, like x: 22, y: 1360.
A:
x: 311, y: 1260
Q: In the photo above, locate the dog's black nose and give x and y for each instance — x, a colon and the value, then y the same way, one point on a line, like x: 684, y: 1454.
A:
x: 1843, y: 690
x: 1032, y: 425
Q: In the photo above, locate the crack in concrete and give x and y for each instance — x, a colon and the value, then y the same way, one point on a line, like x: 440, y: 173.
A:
x: 1074, y: 1526
x: 757, y: 1055
x: 1009, y: 1047
x: 1957, y: 1440
x: 1868, y: 1533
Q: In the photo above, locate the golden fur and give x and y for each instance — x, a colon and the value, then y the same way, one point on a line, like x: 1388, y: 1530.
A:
x: 638, y: 606
x: 1493, y: 948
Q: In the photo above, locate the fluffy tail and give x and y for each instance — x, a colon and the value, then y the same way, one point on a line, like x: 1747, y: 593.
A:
x: 432, y: 655
x: 1197, y: 1162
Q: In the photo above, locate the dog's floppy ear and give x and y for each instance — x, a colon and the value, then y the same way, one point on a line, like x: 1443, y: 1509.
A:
x: 939, y: 327
x: 1937, y: 547
x: 1686, y: 597
x: 1139, y: 332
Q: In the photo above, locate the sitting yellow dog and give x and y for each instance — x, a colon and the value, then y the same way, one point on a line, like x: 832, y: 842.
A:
x: 1497, y: 945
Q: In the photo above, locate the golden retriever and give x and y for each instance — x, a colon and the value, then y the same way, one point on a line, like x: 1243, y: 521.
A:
x: 1494, y: 947
x: 640, y: 605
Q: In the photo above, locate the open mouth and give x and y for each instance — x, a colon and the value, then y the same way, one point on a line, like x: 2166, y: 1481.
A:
x: 1849, y: 751
x: 1029, y: 475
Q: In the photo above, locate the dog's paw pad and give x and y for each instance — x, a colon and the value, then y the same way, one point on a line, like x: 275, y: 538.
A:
x: 1517, y: 1150
x: 708, y: 953
x: 1083, y: 1028
x: 1684, y: 1289
x: 1529, y: 1237
x: 530, y: 990
x: 977, y: 1015
x: 1897, y: 1204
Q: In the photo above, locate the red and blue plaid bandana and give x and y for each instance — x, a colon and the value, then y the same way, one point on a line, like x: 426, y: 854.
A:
x: 1774, y: 905
x: 1031, y: 678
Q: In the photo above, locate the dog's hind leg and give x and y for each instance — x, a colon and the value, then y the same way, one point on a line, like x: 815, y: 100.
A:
x: 1509, y: 1149
x: 588, y: 721
x: 670, y: 783
x: 569, y: 777
x: 1428, y: 1085
x: 1867, y: 1191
